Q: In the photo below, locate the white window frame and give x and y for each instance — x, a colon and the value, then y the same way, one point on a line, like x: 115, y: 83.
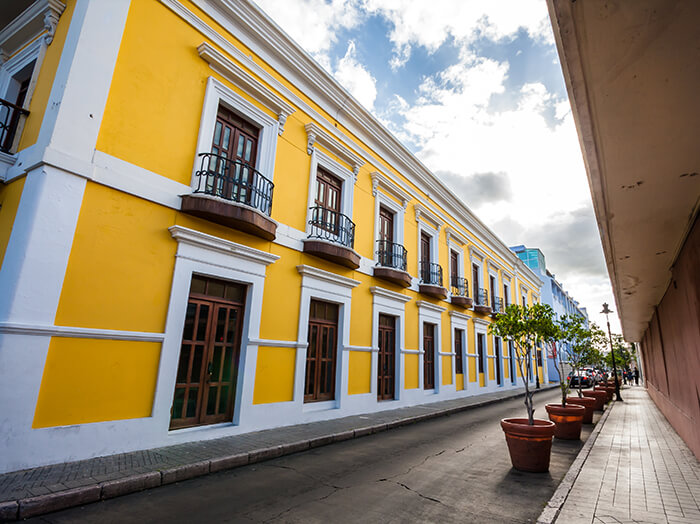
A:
x: 460, y: 321
x: 479, y: 263
x: 207, y: 255
x: 328, y: 287
x: 387, y: 302
x: 507, y: 283
x: 216, y: 94
x: 452, y: 246
x: 481, y: 328
x: 493, y: 273
x: 382, y: 200
x: 432, y: 314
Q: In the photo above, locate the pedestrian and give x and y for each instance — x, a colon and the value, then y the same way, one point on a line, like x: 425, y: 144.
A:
x: 624, y: 376
x: 636, y: 376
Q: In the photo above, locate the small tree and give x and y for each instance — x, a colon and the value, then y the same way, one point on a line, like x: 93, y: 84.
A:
x: 576, y: 338
x: 524, y: 326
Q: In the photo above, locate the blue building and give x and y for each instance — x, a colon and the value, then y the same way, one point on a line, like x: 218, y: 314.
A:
x: 552, y: 293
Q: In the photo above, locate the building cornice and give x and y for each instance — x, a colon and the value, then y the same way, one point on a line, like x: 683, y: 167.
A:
x: 429, y: 306
x: 212, y: 243
x: 316, y: 135
x: 380, y: 180
x: 40, y: 17
x: 391, y: 295
x: 245, y: 81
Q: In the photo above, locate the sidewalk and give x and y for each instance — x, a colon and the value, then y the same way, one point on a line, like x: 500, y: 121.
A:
x: 41, y: 490
x: 638, y: 470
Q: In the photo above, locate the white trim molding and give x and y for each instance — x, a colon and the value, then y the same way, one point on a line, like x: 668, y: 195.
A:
x: 426, y: 216
x: 46, y: 330
x: 452, y: 233
x: 316, y: 135
x: 389, y: 295
x: 429, y: 306
x: 41, y: 16
x: 244, y: 80
x: 382, y: 181
x: 218, y: 245
x: 327, y: 276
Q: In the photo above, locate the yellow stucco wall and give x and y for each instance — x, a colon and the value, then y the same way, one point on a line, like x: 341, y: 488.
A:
x: 359, y: 378
x: 274, y: 375
x: 459, y: 378
x: 411, y: 362
x: 10, y: 196
x: 446, y: 370
x: 87, y: 380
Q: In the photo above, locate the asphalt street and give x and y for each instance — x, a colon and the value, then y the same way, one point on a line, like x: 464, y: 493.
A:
x: 449, y: 469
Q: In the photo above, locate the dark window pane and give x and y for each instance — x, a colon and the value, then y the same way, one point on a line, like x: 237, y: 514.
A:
x: 220, y: 325
x: 197, y: 364
x: 184, y: 364
x: 235, y: 292
x: 177, y: 403
x: 192, y: 403
x: 189, y: 321
x: 203, y: 321
x: 228, y: 356
x: 224, y: 400
x: 231, y: 328
x: 216, y: 289
x: 216, y: 364
x: 211, y: 401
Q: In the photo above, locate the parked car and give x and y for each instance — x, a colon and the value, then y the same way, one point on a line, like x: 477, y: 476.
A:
x: 583, y: 377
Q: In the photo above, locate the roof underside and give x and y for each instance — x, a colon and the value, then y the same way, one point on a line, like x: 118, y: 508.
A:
x: 632, y: 71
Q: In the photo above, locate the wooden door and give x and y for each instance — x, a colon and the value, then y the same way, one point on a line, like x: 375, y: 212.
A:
x: 328, y: 193
x: 511, y: 354
x: 235, y: 143
x: 425, y: 257
x: 459, y: 366
x: 386, y: 363
x: 428, y: 356
x: 321, y: 352
x: 498, y: 355
x: 386, y: 237
x: 475, y: 283
x: 481, y: 352
x: 492, y: 290
x: 454, y: 265
x: 209, y: 355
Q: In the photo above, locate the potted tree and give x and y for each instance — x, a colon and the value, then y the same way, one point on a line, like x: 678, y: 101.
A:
x: 576, y: 338
x: 594, y: 356
x: 529, y: 439
x: 567, y: 418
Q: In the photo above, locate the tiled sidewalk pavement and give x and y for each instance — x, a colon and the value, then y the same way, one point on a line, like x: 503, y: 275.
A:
x: 41, y: 490
x: 638, y: 471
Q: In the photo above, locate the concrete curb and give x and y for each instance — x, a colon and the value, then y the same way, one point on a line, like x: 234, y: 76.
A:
x: 32, y: 506
x: 551, y: 511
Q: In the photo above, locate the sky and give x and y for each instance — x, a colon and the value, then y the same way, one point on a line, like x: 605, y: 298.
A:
x: 474, y: 89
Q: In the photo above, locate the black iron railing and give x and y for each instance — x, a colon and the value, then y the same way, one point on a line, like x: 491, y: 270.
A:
x: 333, y: 226
x: 459, y: 286
x: 9, y: 121
x: 430, y: 273
x: 390, y: 254
x: 497, y: 305
x: 235, y: 181
x: 482, y: 297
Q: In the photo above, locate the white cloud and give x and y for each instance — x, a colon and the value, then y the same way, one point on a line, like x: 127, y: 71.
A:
x: 430, y: 24
x: 314, y: 24
x: 355, y: 78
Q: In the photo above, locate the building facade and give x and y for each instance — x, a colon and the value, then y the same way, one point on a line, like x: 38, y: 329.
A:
x: 202, y: 234
x: 552, y: 293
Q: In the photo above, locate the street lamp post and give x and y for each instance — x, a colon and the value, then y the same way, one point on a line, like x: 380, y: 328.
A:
x: 606, y: 311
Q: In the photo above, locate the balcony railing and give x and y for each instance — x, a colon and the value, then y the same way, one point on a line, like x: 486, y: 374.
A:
x: 332, y: 226
x: 482, y: 298
x: 9, y: 121
x: 497, y: 305
x: 430, y: 273
x: 390, y: 254
x: 459, y: 286
x: 235, y: 181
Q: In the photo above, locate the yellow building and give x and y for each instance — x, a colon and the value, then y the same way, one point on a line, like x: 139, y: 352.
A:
x: 203, y: 234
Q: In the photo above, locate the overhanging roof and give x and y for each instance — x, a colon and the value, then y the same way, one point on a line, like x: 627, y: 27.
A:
x: 632, y: 71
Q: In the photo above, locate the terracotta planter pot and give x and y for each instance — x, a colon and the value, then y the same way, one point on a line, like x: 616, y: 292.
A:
x: 586, y: 402
x: 599, y: 396
x: 529, y: 446
x: 608, y: 393
x: 568, y: 420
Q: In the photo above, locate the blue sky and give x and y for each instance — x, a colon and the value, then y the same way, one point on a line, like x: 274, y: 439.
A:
x: 474, y: 88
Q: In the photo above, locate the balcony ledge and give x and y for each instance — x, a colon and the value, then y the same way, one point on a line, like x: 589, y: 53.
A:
x: 396, y: 276
x: 484, y: 310
x: 462, y: 301
x: 337, y: 253
x: 433, y: 291
x: 230, y: 214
